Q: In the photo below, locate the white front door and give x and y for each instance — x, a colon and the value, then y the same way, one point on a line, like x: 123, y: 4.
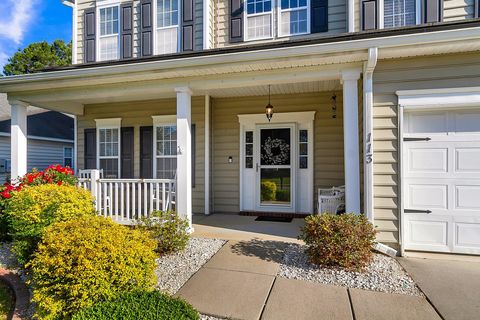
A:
x: 275, y: 168
x: 276, y: 162
x: 442, y: 181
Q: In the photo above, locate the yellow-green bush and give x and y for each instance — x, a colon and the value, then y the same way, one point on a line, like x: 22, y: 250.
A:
x: 339, y: 240
x: 34, y: 208
x: 268, y: 190
x: 87, y: 260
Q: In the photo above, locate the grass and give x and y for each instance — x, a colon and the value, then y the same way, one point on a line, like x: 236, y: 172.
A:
x: 6, y: 301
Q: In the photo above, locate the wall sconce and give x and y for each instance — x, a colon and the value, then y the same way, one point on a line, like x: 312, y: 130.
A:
x: 334, y: 106
x: 230, y: 159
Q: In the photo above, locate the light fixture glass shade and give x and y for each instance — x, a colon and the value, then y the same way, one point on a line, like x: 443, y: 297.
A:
x: 269, y: 111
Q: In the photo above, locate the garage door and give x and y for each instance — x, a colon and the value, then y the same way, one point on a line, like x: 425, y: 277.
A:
x: 441, y: 180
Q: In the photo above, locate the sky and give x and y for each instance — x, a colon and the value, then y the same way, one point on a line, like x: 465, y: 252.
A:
x: 25, y: 21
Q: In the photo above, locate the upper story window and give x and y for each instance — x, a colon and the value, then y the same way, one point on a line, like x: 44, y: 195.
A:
x: 294, y: 17
x: 259, y: 19
x: 109, y: 39
x: 167, y: 27
x: 400, y: 13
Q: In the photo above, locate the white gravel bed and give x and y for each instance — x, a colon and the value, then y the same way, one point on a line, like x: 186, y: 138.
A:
x: 205, y: 317
x: 175, y: 269
x: 384, y: 274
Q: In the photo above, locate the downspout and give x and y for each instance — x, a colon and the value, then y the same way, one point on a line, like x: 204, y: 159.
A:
x: 368, y: 68
x: 72, y: 4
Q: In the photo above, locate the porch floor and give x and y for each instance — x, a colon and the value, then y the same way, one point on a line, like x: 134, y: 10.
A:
x: 242, y: 228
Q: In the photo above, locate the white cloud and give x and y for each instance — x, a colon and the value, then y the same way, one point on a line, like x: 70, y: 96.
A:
x: 16, y: 18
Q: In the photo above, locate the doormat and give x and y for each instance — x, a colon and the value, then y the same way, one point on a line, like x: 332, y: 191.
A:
x: 274, y: 219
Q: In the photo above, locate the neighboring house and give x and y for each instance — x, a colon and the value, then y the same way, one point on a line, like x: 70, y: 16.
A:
x: 50, y: 138
x: 382, y: 96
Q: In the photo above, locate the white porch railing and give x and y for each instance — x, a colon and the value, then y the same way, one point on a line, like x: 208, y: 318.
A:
x: 126, y: 200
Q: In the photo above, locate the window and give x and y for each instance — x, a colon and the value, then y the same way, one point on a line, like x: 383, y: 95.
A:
x: 109, y: 40
x: 293, y: 17
x: 249, y: 149
x: 399, y: 13
x: 109, y: 152
x: 167, y: 26
x: 259, y: 19
x: 68, y: 157
x: 303, y: 149
x: 166, y: 151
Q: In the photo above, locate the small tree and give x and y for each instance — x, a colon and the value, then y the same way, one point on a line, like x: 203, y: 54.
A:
x: 38, y: 56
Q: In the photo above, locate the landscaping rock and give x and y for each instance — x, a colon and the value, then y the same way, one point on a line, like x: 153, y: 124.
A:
x: 174, y: 270
x: 384, y: 273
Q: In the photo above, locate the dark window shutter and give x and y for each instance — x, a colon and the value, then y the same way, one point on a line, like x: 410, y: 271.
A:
x: 146, y: 152
x: 89, y: 35
x: 126, y: 21
x: 477, y: 9
x: 432, y: 11
x: 90, y: 148
x: 236, y: 20
x: 188, y: 22
x: 146, y: 27
x: 319, y: 16
x: 127, y: 155
x: 369, y: 15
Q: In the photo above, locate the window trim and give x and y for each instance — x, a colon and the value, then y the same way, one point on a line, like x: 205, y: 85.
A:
x: 156, y: 28
x: 279, y: 19
x: 111, y: 123
x: 65, y: 157
x: 246, y: 15
x: 104, y: 5
x: 381, y: 14
x: 161, y: 121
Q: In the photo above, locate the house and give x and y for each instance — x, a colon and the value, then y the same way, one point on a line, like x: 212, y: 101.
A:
x: 50, y: 138
x: 382, y: 96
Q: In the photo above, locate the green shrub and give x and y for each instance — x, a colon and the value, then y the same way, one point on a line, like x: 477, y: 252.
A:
x: 339, y: 240
x: 140, y: 306
x: 34, y: 208
x: 168, y: 228
x: 283, y: 195
x: 268, y: 190
x: 88, y: 260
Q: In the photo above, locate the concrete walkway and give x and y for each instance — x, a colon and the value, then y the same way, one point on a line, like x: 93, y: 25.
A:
x: 452, y: 286
x: 240, y: 282
x: 236, y: 227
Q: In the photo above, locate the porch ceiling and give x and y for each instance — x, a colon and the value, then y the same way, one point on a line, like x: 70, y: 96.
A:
x: 290, y: 88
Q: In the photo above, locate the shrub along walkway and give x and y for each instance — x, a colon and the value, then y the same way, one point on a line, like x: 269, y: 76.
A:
x: 243, y: 284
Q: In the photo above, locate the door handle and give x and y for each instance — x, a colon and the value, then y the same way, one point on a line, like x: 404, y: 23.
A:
x: 417, y: 139
x: 416, y: 211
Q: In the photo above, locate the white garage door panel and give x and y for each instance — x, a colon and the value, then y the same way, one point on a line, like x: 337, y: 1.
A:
x: 441, y: 181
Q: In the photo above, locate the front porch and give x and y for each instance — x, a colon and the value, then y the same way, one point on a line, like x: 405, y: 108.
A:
x: 199, y: 147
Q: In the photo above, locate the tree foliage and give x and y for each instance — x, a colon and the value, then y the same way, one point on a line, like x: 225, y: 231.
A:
x: 38, y: 56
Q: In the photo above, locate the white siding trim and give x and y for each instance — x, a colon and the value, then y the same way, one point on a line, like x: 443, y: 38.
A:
x: 440, y: 98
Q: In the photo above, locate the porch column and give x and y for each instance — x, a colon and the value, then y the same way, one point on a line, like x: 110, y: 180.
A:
x: 207, y: 155
x: 351, y: 140
x: 184, y: 153
x: 18, y: 139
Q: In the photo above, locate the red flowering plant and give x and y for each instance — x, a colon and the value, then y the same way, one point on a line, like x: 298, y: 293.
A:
x: 55, y: 174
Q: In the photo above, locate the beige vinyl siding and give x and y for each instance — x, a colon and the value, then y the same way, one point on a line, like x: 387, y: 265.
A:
x: 41, y: 153
x: 458, y: 10
x: 138, y: 114
x: 81, y: 6
x: 328, y: 144
x: 446, y: 71
x: 337, y: 22
x: 213, y: 22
